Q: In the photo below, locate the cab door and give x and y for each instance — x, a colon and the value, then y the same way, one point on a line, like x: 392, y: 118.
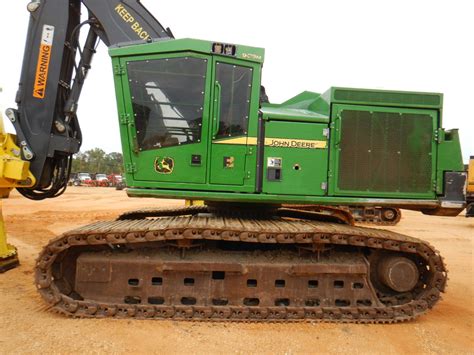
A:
x: 167, y: 119
x: 234, y: 108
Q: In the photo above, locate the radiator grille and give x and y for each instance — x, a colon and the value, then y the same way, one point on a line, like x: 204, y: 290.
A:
x: 385, y: 152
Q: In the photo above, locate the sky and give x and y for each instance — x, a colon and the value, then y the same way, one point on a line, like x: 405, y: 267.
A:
x: 413, y: 45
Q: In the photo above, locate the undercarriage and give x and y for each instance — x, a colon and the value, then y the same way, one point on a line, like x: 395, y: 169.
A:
x: 382, y: 216
x: 201, y: 263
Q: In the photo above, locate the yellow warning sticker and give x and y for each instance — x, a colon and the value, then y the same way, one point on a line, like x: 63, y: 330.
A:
x: 129, y: 19
x: 44, y: 58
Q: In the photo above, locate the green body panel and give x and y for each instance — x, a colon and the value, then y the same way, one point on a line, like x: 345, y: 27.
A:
x: 345, y: 146
x: 234, y: 173
x: 183, y: 172
x: 293, y: 114
x: 304, y: 171
x: 278, y: 199
x: 306, y: 107
x: 386, y: 98
x: 449, y: 156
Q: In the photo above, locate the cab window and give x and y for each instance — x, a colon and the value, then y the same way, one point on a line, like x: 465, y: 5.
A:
x: 234, y: 89
x: 167, y: 100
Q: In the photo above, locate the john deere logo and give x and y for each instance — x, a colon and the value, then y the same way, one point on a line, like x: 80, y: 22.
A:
x: 164, y: 165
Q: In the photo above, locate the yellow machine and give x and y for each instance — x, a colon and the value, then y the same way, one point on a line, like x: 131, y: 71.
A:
x: 470, y: 188
x: 14, y: 172
x: 470, y: 179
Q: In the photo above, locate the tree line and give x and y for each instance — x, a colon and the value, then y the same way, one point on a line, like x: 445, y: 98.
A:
x: 97, y: 161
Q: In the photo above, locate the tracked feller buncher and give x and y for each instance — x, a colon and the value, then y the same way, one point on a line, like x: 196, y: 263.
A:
x: 196, y: 124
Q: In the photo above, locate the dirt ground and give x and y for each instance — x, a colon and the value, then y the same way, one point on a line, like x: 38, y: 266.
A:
x: 26, y: 326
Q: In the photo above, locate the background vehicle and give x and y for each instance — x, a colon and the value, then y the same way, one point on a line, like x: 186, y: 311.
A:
x: 72, y: 179
x: 83, y: 179
x: 121, y: 185
x: 114, y: 179
x: 101, y: 180
x: 470, y: 189
x: 195, y: 123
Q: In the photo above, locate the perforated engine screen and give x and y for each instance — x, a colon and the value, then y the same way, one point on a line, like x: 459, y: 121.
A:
x: 385, y: 152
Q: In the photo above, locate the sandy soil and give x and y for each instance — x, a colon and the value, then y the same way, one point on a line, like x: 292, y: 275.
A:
x: 26, y: 326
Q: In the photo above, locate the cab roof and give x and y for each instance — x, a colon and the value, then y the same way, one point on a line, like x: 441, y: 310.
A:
x: 158, y: 46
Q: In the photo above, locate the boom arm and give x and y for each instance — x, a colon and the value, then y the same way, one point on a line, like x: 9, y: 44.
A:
x: 51, y: 82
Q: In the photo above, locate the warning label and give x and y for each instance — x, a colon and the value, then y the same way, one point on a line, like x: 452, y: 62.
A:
x: 44, y: 58
x: 134, y: 25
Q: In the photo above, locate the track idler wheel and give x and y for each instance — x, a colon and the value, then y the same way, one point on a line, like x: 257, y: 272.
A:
x: 389, y: 214
x: 398, y: 273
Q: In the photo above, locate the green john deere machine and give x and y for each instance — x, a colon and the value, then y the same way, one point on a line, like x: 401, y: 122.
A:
x: 196, y: 124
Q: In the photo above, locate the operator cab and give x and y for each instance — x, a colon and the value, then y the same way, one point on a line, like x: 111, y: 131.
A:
x: 187, y: 109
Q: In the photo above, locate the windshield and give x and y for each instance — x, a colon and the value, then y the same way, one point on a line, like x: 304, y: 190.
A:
x: 167, y: 100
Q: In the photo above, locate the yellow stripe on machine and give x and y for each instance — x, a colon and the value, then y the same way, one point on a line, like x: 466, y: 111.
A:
x: 277, y: 142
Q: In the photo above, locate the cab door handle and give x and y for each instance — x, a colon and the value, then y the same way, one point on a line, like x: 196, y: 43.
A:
x: 217, y: 109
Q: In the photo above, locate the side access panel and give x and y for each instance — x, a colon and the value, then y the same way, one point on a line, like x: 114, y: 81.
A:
x: 295, y: 158
x: 383, y: 152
